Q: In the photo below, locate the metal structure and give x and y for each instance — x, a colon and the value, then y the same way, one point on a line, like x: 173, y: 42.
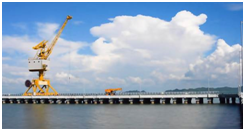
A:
x: 40, y: 63
x: 112, y: 91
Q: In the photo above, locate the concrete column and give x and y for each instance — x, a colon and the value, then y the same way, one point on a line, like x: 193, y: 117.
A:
x: 101, y: 101
x: 131, y: 101
x: 34, y: 101
x: 58, y: 101
x: 163, y: 101
x: 141, y: 101
x: 110, y: 101
x: 77, y: 101
x: 95, y: 101
x: 121, y: 101
x: 85, y: 101
x: 174, y: 100
x: 152, y: 101
x: 210, y: 100
x: 18, y: 101
x: 197, y: 101
x: 26, y: 101
x: 42, y: 101
x: 51, y: 101
x: 185, y: 100
x: 11, y: 101
x: 67, y: 101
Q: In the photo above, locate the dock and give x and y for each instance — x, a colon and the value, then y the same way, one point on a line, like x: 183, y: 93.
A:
x: 125, y: 98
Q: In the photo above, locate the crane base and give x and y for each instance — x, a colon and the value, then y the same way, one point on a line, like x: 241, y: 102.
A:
x: 40, y: 88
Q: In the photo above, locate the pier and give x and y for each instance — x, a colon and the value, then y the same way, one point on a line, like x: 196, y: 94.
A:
x: 126, y: 98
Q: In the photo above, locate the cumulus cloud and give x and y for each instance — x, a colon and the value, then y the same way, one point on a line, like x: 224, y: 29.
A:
x: 221, y: 67
x: 151, y: 42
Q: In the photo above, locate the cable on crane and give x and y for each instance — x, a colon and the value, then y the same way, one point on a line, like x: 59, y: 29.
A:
x: 69, y: 61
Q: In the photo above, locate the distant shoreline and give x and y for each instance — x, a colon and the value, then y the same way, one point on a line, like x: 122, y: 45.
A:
x: 232, y: 90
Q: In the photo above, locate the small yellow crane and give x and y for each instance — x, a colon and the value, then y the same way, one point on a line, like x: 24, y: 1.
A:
x: 40, y: 63
x: 112, y: 91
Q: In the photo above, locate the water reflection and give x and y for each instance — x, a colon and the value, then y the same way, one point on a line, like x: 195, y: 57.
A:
x: 241, y: 114
x: 121, y: 116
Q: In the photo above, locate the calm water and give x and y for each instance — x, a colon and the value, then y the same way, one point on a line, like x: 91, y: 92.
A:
x: 120, y: 116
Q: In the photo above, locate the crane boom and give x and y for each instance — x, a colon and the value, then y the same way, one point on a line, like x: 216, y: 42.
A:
x: 51, y: 46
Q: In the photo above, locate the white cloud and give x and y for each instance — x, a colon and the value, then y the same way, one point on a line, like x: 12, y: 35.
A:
x: 137, y: 80
x: 221, y: 67
x: 14, y: 70
x: 77, y: 22
x: 20, y: 73
x: 111, y: 80
x: 47, y: 30
x: 151, y: 42
x: 21, y: 26
x: 63, y: 75
x: 6, y: 58
x: 24, y: 43
x: 65, y: 78
x: 11, y: 81
x: 235, y: 7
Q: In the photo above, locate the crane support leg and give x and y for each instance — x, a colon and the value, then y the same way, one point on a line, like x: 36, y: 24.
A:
x: 26, y: 92
x: 38, y: 91
x: 55, y: 92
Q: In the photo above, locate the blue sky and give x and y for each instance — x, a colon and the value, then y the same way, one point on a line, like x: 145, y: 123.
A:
x: 221, y: 20
x: 20, y: 20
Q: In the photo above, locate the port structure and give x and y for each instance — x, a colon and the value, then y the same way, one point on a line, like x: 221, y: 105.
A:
x: 40, y: 63
x: 127, y: 98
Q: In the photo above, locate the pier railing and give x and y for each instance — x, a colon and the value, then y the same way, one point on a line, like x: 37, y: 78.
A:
x: 129, y: 93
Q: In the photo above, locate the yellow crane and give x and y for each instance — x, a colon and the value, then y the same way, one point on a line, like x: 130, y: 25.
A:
x: 112, y: 91
x: 40, y: 63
